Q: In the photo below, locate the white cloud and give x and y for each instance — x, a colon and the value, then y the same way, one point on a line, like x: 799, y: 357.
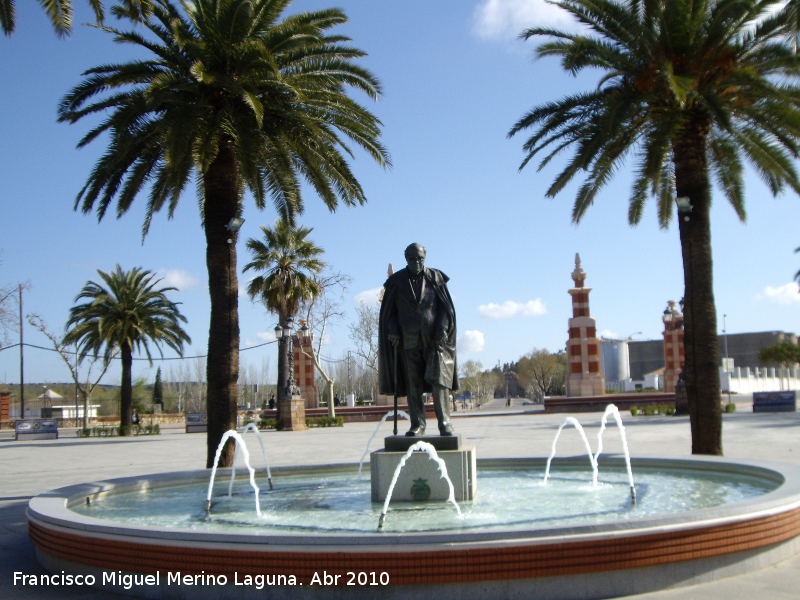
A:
x: 509, y: 309
x: 785, y: 294
x: 265, y: 336
x: 471, y: 341
x: 502, y: 19
x: 368, y: 297
x: 177, y: 278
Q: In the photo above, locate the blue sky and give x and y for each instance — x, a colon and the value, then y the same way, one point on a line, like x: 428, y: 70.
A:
x: 455, y: 79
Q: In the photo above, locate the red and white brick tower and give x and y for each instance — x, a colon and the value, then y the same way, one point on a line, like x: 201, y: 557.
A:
x: 583, y: 349
x: 304, y: 369
x: 673, y: 346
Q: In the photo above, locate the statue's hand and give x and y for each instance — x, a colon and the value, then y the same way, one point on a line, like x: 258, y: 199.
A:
x: 441, y: 343
x: 394, y: 339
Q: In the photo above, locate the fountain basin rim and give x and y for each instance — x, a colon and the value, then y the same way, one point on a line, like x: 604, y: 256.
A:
x: 51, y: 509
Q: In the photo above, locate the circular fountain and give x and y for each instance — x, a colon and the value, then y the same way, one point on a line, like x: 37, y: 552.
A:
x: 588, y: 558
x: 544, y: 529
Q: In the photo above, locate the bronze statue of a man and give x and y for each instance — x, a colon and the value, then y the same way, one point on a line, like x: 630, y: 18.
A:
x: 417, y: 341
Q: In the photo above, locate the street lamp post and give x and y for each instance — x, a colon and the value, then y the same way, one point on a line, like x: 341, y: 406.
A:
x: 291, y: 408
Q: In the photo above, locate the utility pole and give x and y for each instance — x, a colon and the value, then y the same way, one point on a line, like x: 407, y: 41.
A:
x: 349, y: 374
x: 77, y: 376
x: 21, y: 360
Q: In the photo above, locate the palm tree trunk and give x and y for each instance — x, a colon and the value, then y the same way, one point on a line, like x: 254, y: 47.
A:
x: 221, y: 188
x: 700, y: 319
x: 126, y: 390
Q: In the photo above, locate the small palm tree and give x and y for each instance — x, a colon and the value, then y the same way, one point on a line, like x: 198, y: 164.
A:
x: 232, y: 96
x: 690, y: 88
x: 288, y: 261
x: 125, y: 315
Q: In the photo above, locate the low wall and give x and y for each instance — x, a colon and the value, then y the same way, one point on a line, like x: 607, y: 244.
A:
x: 568, y: 404
x: 746, y: 381
x: 352, y: 414
x: 112, y: 421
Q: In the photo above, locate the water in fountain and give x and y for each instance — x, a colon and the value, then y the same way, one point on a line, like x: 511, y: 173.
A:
x: 431, y: 452
x: 401, y: 413
x: 613, y: 410
x: 572, y: 421
x: 249, y: 427
x: 239, y: 442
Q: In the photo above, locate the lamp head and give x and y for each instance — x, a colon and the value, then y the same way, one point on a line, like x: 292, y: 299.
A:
x: 234, y: 224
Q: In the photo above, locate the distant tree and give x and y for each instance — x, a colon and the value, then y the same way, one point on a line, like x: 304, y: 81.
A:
x: 364, y: 334
x: 158, y: 392
x: 785, y: 353
x: 8, y: 321
x: 542, y: 373
x: 72, y: 359
x: 480, y: 383
x: 319, y: 312
x: 9, y: 309
x: 125, y: 315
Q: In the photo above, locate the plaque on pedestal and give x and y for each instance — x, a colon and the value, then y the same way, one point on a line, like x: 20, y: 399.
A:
x: 421, y: 473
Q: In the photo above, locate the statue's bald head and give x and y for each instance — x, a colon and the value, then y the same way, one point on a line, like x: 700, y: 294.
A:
x: 415, y: 257
x: 415, y: 250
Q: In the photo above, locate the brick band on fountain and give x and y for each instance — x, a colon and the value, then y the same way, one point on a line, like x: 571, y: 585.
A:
x: 583, y: 349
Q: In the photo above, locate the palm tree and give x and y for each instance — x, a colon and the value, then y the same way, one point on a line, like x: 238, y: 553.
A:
x: 288, y: 262
x: 690, y: 88
x: 244, y: 101
x: 122, y: 317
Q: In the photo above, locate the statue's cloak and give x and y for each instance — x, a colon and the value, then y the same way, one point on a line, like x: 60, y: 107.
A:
x: 441, y: 367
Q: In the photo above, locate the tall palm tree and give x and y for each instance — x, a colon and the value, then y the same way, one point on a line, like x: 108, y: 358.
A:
x: 125, y: 315
x: 244, y: 101
x: 689, y: 87
x: 288, y: 262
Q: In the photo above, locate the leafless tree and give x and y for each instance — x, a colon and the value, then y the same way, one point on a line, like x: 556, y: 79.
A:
x: 364, y: 333
x: 480, y: 383
x: 73, y: 362
x: 178, y: 384
x: 320, y: 312
x: 8, y: 315
x: 8, y: 323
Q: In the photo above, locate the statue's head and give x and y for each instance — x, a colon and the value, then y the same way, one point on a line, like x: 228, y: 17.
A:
x: 415, y: 258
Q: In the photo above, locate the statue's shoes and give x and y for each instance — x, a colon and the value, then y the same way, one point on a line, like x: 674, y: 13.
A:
x: 446, y: 430
x: 415, y: 432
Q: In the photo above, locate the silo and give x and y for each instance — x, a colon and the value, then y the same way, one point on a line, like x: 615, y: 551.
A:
x: 614, y: 359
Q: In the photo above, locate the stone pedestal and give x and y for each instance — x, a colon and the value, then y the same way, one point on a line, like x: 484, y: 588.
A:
x: 586, y: 384
x: 420, y: 479
x: 292, y: 414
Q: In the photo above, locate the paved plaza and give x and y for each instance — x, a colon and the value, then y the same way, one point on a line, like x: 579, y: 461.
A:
x: 32, y: 467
